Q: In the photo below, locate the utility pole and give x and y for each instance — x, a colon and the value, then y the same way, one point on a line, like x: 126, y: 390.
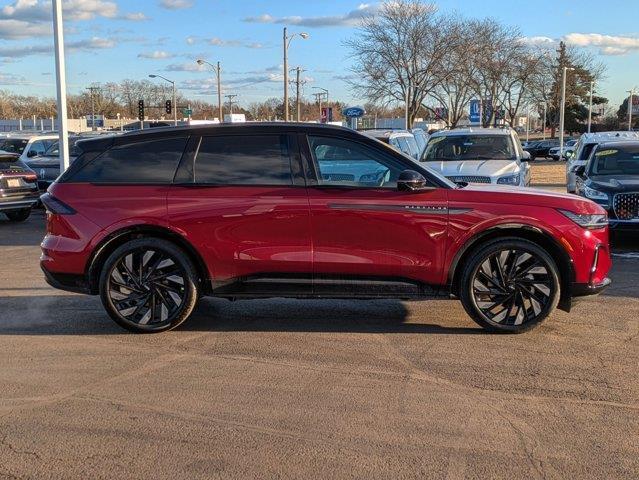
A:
x: 218, y: 70
x: 92, y: 90
x: 231, y: 102
x: 298, y: 71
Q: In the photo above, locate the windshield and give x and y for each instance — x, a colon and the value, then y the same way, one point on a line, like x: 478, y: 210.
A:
x: 13, y: 145
x: 469, y: 147
x: 54, y: 150
x: 616, y: 161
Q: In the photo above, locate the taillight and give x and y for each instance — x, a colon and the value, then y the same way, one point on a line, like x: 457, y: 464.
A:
x: 30, y: 178
x: 53, y: 205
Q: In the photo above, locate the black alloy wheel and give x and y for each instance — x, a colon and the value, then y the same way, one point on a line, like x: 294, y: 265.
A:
x: 148, y: 285
x: 510, y: 286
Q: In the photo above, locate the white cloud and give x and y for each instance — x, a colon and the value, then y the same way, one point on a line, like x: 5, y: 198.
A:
x: 185, y: 67
x: 220, y: 42
x: 95, y: 43
x: 349, y: 19
x: 176, y: 4
x: 11, y: 29
x: 156, y: 55
x: 134, y: 17
x: 607, y: 44
x: 10, y: 79
x: 32, y: 18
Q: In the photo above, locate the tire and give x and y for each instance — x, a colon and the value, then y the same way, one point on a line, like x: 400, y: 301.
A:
x: 18, y: 215
x: 148, y: 285
x: 509, y: 285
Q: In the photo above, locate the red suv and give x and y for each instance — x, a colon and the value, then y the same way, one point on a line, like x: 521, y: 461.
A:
x: 152, y: 221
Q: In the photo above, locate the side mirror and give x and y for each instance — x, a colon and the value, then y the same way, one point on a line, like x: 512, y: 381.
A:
x: 412, y: 181
x: 525, y: 157
x: 580, y: 171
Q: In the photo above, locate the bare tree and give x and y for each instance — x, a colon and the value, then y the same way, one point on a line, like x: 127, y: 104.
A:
x: 398, y: 54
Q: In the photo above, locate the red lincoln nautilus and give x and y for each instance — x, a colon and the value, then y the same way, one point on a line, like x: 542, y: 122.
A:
x: 153, y: 220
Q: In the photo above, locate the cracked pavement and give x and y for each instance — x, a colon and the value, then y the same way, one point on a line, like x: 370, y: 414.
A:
x: 312, y: 389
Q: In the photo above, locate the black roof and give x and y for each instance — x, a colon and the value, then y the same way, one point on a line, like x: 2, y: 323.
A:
x: 101, y: 143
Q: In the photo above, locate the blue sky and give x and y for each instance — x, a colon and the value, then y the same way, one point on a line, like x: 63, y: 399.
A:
x: 108, y: 40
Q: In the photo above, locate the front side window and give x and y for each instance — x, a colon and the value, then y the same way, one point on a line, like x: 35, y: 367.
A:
x: 586, y: 151
x: 153, y: 161
x: 346, y: 163
x: 244, y: 160
x: 469, y: 147
x: 615, y: 161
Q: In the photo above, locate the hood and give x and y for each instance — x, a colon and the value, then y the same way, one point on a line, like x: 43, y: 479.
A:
x: 614, y: 183
x: 484, y: 168
x: 502, y: 194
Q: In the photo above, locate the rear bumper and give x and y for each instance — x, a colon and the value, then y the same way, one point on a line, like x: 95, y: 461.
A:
x: 67, y: 281
x: 19, y: 202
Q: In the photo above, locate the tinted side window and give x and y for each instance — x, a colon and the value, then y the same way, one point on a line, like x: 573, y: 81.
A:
x: 348, y: 163
x: 244, y: 160
x: 152, y: 161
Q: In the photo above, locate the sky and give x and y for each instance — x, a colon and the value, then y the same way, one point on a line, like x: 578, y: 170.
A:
x: 109, y: 40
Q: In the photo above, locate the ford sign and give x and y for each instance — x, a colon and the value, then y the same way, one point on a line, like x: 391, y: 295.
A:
x: 353, y: 112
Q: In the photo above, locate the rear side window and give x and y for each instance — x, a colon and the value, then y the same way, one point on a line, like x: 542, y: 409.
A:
x: 153, y: 161
x: 244, y: 160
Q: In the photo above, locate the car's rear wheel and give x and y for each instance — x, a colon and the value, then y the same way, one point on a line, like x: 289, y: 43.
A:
x: 148, y: 285
x: 18, y: 215
x: 510, y: 285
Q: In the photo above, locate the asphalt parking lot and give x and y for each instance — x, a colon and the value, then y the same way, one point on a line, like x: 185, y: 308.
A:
x: 313, y: 389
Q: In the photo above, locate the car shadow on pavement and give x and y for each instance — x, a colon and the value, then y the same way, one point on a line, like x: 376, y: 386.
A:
x: 80, y: 315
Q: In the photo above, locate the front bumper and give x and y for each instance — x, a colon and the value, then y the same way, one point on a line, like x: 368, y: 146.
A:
x: 587, y: 289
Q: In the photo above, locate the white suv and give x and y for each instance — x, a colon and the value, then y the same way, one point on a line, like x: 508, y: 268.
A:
x: 584, y: 147
x: 27, y: 144
x: 479, y: 155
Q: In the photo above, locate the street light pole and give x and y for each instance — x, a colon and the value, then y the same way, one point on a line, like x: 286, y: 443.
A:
x: 175, y: 121
x: 562, y: 111
x: 286, y: 43
x: 631, y: 92
x: 592, y: 86
x: 219, y: 86
x: 61, y: 84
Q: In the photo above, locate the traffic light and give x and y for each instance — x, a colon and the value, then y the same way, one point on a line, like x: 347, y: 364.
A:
x: 141, y: 110
x: 168, y: 107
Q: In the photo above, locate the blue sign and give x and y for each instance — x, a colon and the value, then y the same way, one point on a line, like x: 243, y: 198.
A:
x: 353, y: 112
x: 475, y: 111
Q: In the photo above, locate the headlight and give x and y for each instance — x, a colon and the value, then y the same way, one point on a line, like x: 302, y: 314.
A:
x: 587, y: 220
x: 595, y: 194
x: 509, y: 180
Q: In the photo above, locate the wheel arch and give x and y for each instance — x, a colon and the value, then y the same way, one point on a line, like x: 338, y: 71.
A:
x: 526, y: 232
x: 120, y: 237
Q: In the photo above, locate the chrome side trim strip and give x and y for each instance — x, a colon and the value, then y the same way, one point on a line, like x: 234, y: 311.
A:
x: 423, y: 209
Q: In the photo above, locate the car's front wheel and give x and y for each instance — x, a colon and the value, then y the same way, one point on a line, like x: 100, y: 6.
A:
x: 509, y: 285
x: 148, y: 285
x: 18, y: 215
